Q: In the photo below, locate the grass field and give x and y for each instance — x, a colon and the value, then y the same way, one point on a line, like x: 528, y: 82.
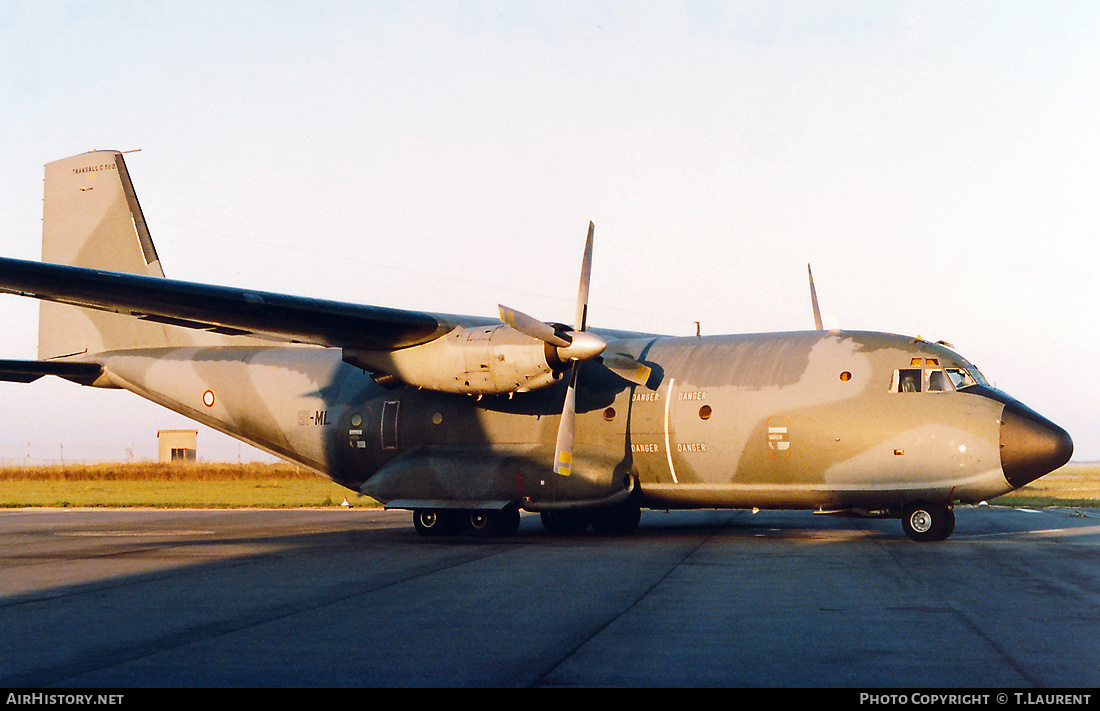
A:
x: 158, y: 485
x: 204, y: 485
x: 1076, y: 485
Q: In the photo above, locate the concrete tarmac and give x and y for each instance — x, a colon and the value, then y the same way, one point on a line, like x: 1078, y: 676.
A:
x: 354, y: 597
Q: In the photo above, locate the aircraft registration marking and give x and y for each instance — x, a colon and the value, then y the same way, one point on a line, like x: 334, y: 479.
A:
x: 314, y: 417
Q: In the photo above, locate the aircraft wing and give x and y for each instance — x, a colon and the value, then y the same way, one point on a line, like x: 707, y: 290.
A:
x: 228, y: 310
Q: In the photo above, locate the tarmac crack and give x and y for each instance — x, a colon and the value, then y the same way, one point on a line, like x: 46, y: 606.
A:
x: 611, y: 620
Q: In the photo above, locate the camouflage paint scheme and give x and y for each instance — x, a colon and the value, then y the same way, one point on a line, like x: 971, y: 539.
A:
x: 456, y: 417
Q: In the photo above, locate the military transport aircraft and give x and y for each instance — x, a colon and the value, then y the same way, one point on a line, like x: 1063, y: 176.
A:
x: 466, y: 421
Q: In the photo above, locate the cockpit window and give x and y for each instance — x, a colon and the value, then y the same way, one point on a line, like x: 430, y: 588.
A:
x: 907, y: 380
x: 932, y: 380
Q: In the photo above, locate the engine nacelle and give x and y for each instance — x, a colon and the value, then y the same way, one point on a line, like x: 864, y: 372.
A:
x: 485, y: 360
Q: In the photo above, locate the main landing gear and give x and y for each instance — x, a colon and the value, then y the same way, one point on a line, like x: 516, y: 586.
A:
x: 924, y: 522
x: 620, y: 519
x: 478, y: 522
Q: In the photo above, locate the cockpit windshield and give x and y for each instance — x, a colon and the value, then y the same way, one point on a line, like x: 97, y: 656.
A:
x: 961, y: 378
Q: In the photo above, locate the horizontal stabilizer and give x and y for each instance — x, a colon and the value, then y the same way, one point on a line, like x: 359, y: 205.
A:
x: 27, y: 371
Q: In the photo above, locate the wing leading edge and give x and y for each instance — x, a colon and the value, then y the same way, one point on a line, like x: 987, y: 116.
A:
x: 228, y: 310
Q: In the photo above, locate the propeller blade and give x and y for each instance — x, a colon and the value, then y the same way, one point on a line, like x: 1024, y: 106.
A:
x: 582, y: 347
x: 627, y: 368
x: 586, y: 277
x: 563, y: 448
x: 532, y: 327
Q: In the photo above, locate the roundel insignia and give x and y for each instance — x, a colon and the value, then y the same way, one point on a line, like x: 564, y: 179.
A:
x: 208, y: 398
x: 779, y: 444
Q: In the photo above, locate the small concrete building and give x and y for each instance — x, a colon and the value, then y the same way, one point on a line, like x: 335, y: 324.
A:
x: 177, y: 445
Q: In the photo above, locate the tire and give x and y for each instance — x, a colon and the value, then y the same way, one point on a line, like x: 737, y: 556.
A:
x: 923, y: 522
x: 620, y: 520
x: 565, y: 522
x: 437, y: 522
x: 478, y: 522
x: 505, y: 522
x: 498, y: 524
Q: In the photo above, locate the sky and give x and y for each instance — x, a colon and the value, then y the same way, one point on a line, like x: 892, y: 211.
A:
x: 938, y: 163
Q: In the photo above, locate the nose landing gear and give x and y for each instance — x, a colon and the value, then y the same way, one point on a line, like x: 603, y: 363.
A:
x: 924, y: 522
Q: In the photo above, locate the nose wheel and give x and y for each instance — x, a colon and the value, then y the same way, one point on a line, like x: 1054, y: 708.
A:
x: 925, y: 522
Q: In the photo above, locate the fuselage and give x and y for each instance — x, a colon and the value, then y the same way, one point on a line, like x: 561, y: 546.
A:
x: 822, y: 420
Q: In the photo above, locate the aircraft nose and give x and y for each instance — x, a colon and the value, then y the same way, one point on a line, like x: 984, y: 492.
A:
x: 1031, y: 445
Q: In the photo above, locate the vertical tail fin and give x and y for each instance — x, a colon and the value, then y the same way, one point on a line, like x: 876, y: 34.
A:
x: 91, y: 218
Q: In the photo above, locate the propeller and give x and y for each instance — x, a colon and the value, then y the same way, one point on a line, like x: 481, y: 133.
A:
x: 573, y: 346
